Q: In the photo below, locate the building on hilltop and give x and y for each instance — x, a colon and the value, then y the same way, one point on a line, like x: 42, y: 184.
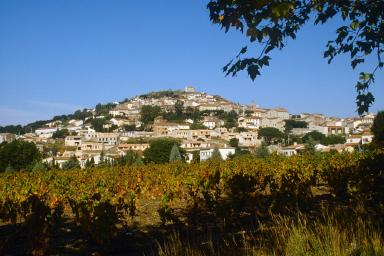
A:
x: 190, y: 89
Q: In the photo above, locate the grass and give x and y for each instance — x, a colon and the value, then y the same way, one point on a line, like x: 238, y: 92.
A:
x: 299, y: 236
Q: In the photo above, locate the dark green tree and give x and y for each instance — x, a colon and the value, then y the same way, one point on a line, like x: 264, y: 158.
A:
x: 138, y: 162
x: 179, y: 108
x: 18, y: 154
x: 234, y: 142
x: 261, y: 151
x: 291, y: 123
x: 128, y: 159
x: 271, y: 23
x: 81, y: 114
x: 71, y: 164
x: 159, y: 150
x: 197, y: 126
x: 97, y: 124
x: 90, y: 163
x: 60, y: 134
x: 175, y: 155
x: 149, y: 113
x: 314, y: 135
x: 310, y: 146
x: 129, y: 127
x: 39, y: 166
x: 333, y: 139
x: 103, y: 109
x: 378, y: 128
x: 216, y: 155
x: 270, y: 135
x: 196, y: 156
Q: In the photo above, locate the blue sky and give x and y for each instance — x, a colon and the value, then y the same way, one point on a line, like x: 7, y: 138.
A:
x: 59, y: 56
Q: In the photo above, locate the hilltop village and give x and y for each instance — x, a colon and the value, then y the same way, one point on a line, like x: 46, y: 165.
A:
x: 200, y: 122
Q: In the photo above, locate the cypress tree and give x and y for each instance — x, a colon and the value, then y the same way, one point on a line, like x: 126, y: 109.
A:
x: 216, y: 155
x: 175, y: 154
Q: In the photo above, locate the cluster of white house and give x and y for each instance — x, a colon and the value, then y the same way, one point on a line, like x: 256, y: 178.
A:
x: 88, y: 144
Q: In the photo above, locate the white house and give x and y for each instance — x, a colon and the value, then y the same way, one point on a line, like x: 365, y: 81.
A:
x: 249, y: 122
x: 366, y: 138
x: 46, y: 132
x: 205, y: 154
x: 291, y: 150
x: 248, y: 139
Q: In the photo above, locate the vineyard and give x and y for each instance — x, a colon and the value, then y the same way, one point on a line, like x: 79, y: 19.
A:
x: 103, y: 204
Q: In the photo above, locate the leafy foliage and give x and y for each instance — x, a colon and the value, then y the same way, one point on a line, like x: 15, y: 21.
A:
x: 318, y: 137
x: 262, y: 151
x: 175, y: 155
x: 159, y: 150
x: 216, y: 155
x: 270, y: 135
x: 60, y: 134
x: 71, y: 164
x: 18, y: 155
x: 291, y: 123
x: 103, y: 109
x: 101, y: 199
x: 149, y: 113
x: 378, y: 128
x: 270, y: 23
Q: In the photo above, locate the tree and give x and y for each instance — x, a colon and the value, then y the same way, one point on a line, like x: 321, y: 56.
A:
x: 19, y: 155
x: 230, y: 119
x: 261, y: 151
x: 234, y: 142
x: 40, y: 166
x: 149, y: 113
x: 90, y: 163
x: 179, y: 107
x: 378, y: 128
x: 138, y: 162
x: 197, y: 126
x: 72, y: 163
x: 129, y: 127
x: 196, y: 156
x: 216, y: 155
x: 271, y: 23
x: 175, y: 155
x: 310, y: 146
x: 324, y: 140
x: 314, y: 135
x: 128, y: 159
x: 333, y: 139
x: 291, y: 123
x: 270, y: 135
x: 241, y: 129
x: 159, y: 150
x: 60, y: 134
x: 97, y: 124
x: 103, y: 109
x: 81, y: 114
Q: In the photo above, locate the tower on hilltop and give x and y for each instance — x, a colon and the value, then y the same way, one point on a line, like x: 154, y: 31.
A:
x: 190, y: 89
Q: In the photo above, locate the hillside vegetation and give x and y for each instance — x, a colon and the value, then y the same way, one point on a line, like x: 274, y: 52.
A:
x: 245, y: 195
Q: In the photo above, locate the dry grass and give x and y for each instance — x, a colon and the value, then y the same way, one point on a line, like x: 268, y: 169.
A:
x: 329, y: 236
